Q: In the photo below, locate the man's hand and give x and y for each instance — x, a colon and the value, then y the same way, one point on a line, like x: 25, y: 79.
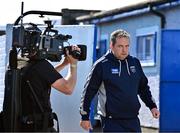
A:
x: 155, y: 112
x: 69, y: 57
x: 86, y: 124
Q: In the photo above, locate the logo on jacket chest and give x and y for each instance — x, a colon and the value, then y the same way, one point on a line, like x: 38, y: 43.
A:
x: 133, y: 69
x: 114, y: 70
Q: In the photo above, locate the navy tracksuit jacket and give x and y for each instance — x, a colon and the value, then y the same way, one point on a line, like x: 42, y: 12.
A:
x: 118, y: 82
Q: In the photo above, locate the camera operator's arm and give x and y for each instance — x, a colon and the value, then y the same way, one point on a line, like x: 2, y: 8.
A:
x: 66, y: 85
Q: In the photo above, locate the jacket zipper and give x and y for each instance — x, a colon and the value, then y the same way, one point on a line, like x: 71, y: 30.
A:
x: 127, y: 65
x: 119, y: 68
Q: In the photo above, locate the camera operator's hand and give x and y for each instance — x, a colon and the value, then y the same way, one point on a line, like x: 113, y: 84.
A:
x: 69, y: 57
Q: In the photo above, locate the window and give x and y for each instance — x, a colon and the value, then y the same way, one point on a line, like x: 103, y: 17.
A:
x: 146, y: 46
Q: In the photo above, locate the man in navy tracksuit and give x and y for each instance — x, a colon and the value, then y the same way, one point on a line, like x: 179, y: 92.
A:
x: 118, y: 78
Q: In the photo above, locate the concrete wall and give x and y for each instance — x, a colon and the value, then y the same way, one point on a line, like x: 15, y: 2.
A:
x: 172, y: 19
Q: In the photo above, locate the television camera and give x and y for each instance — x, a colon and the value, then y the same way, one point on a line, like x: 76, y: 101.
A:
x: 48, y: 44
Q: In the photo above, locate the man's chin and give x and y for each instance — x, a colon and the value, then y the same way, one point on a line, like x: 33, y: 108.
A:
x: 124, y: 56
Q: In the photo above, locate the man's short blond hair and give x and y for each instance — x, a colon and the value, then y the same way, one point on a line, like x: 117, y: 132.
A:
x: 118, y: 33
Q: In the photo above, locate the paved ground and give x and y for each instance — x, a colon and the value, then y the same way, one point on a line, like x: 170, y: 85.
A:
x: 149, y: 130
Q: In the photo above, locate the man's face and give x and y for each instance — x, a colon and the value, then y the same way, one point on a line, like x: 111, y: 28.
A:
x: 121, y: 48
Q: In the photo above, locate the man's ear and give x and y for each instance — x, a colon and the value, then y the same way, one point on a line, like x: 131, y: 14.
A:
x: 111, y: 46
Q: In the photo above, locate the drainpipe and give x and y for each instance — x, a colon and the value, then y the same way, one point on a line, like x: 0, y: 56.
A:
x: 163, y: 19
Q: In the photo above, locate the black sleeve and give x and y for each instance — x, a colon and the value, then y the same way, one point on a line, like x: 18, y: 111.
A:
x: 91, y: 87
x: 48, y: 72
x: 144, y: 90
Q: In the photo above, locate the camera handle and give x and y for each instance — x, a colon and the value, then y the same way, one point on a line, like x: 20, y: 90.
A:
x: 49, y: 28
x: 41, y: 13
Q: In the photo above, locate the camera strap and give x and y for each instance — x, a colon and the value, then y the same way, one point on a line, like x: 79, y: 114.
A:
x: 45, y: 116
x: 26, y: 70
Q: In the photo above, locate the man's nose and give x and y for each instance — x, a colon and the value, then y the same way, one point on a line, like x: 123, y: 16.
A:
x: 124, y: 49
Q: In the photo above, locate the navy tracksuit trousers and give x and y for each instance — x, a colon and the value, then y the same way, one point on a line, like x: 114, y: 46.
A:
x: 120, y: 125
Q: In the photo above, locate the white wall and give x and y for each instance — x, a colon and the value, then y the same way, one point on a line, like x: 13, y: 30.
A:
x: 144, y: 113
x: 67, y: 107
x: 2, y: 68
x: 2, y: 65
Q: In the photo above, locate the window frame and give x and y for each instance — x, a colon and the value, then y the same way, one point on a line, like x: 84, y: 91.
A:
x: 146, y: 32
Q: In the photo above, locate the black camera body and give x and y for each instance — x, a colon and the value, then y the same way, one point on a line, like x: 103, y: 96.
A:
x: 47, y: 45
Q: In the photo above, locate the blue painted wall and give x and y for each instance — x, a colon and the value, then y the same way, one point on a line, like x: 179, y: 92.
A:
x: 170, y: 81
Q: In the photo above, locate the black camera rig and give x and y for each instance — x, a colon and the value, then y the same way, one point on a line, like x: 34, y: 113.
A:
x: 31, y: 42
x: 45, y: 45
